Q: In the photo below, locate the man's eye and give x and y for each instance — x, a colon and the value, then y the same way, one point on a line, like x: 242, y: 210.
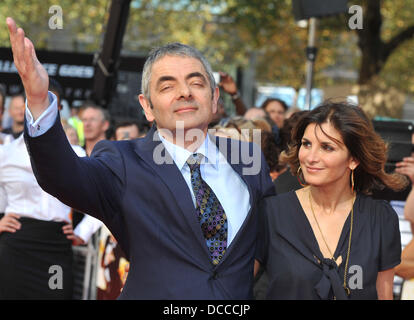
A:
x: 164, y: 88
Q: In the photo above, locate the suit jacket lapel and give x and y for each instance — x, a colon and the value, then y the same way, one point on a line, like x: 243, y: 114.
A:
x: 153, y: 152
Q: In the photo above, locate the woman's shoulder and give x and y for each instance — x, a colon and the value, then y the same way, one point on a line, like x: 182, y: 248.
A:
x: 377, y: 208
x: 285, y: 199
x: 370, y: 202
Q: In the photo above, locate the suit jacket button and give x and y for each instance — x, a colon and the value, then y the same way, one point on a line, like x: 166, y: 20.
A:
x: 214, y: 276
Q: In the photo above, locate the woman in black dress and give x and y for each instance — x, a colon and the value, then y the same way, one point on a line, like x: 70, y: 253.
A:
x: 330, y: 240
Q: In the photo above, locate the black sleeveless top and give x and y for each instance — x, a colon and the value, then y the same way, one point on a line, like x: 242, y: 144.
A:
x: 290, y: 253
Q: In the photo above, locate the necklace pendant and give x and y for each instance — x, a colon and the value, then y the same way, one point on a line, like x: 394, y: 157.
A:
x: 347, y: 290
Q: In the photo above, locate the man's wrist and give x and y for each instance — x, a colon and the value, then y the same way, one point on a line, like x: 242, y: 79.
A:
x: 37, y: 107
x: 235, y: 96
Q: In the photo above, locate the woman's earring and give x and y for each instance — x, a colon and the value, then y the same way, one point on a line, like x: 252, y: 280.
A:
x: 352, y: 181
x: 298, y: 175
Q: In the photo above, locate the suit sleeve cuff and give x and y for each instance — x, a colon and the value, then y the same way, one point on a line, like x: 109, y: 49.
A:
x: 46, y: 119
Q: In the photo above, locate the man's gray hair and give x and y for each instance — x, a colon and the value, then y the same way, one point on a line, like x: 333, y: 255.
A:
x: 173, y: 49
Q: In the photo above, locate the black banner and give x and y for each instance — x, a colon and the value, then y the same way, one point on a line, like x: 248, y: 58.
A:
x: 73, y: 71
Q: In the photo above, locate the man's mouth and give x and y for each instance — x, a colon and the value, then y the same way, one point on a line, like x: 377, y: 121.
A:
x: 185, y: 109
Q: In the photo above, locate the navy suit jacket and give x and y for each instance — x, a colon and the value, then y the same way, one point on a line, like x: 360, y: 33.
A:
x: 149, y: 209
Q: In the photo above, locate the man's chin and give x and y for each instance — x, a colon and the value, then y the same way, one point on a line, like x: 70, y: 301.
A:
x: 185, y: 125
x: 90, y: 137
x: 190, y: 123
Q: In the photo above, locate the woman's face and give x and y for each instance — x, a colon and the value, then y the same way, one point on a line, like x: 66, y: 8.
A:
x: 325, y: 161
x: 276, y: 113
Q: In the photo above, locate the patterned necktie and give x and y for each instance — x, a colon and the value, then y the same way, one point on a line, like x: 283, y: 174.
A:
x: 211, y: 215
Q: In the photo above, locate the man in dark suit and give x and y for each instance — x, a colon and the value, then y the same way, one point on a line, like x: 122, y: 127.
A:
x: 182, y: 204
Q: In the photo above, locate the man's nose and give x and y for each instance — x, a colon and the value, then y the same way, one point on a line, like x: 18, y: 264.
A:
x: 184, y: 91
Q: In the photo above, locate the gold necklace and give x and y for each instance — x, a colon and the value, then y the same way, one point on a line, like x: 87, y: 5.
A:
x: 348, y: 291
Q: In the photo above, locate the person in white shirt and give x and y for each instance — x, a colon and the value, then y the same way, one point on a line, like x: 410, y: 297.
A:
x: 36, y: 235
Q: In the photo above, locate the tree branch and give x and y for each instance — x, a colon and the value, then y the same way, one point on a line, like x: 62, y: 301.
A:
x: 396, y: 41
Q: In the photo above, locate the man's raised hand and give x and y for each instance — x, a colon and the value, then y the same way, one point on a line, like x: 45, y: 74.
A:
x: 34, y: 76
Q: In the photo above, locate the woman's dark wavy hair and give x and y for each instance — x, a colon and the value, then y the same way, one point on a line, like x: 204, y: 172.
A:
x: 360, y: 138
x: 269, y: 100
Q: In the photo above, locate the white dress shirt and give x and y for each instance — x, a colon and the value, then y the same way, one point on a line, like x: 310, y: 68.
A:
x: 3, y: 199
x: 219, y: 175
x: 5, y: 138
x: 21, y: 194
x: 217, y: 172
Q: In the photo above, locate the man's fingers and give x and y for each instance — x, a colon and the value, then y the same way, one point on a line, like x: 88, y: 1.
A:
x: 29, y: 56
x: 11, y: 25
x: 23, y: 49
x: 405, y: 168
x: 13, y: 36
x: 17, y: 44
x: 405, y: 163
x: 405, y: 171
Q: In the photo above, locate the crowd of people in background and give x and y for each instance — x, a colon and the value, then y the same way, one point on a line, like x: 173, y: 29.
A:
x: 90, y: 123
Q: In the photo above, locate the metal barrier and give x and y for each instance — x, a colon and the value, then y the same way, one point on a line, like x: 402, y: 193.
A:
x: 85, y: 262
x: 406, y: 236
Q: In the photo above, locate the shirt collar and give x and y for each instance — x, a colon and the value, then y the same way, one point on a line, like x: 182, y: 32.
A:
x: 180, y: 155
x: 20, y: 138
x: 18, y: 141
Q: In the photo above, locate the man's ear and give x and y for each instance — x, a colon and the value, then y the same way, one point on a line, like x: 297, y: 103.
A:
x: 146, y: 105
x: 106, y: 125
x: 216, y: 96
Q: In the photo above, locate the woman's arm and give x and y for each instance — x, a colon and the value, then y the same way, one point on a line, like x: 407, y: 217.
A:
x: 385, y: 283
x: 256, y: 267
x: 229, y: 86
x: 409, y: 207
x: 406, y: 268
x: 406, y: 167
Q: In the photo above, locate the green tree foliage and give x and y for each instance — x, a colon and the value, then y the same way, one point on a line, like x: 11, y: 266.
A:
x: 83, y: 21
x: 229, y: 32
